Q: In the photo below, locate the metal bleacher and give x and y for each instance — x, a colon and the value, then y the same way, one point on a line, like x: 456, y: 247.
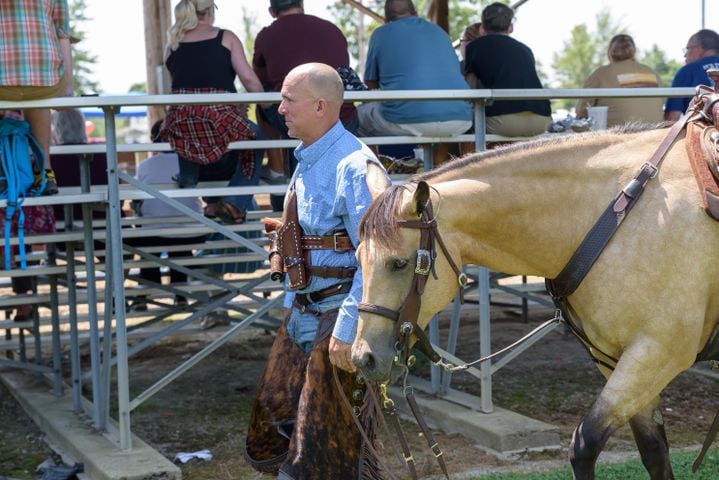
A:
x: 103, y: 325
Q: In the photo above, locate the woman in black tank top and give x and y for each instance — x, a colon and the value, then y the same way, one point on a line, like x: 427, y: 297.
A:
x: 204, y: 59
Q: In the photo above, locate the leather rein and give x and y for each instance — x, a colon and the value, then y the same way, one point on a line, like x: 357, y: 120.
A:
x: 587, y: 253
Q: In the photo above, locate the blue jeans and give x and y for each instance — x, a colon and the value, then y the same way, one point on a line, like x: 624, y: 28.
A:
x: 228, y: 167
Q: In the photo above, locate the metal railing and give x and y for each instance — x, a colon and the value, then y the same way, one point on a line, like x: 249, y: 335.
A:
x: 101, y: 348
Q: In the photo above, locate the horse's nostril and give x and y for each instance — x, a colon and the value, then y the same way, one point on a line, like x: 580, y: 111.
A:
x: 365, y: 361
x: 369, y: 362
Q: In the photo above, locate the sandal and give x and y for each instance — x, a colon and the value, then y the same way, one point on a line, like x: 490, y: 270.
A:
x: 225, y: 211
x: 211, y: 211
x: 230, y: 213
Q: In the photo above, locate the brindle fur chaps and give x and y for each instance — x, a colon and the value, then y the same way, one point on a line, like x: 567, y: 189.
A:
x: 299, y: 426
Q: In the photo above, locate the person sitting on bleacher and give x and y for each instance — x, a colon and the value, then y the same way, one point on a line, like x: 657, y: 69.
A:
x: 204, y: 59
x: 498, y: 61
x: 292, y: 39
x: 158, y: 169
x: 68, y: 128
x: 410, y: 53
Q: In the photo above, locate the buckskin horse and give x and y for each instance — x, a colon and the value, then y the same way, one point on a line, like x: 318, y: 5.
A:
x: 647, y: 308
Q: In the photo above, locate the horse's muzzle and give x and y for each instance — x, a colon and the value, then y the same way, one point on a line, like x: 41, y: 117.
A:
x: 375, y: 366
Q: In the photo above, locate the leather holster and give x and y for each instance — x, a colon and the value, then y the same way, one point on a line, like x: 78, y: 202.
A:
x: 286, y: 252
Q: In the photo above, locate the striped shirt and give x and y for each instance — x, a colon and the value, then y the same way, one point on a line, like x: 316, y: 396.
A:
x: 29, y: 49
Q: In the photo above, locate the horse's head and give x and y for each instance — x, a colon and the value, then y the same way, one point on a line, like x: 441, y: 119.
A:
x: 408, y: 275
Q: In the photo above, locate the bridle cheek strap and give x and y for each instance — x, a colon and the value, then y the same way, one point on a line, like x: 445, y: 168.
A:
x: 408, y: 313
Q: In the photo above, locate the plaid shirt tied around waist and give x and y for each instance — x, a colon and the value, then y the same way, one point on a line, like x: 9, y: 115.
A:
x: 201, y: 133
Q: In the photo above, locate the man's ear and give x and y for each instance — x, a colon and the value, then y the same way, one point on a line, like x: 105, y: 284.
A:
x: 322, y: 106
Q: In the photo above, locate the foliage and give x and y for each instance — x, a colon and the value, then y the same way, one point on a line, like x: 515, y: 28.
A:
x: 681, y: 463
x: 657, y: 60
x: 584, y: 52
x: 249, y: 24
x: 140, y: 87
x: 356, y: 27
x: 83, y: 61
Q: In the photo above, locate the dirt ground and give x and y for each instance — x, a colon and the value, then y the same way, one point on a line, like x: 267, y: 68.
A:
x: 208, y: 407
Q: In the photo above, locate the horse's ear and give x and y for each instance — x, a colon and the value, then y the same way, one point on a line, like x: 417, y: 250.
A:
x: 421, y: 197
x: 377, y: 180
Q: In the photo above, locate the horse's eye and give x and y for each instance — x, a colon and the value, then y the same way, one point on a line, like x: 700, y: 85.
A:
x: 397, y: 264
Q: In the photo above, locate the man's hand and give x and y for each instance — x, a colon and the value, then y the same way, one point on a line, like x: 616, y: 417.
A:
x: 341, y: 355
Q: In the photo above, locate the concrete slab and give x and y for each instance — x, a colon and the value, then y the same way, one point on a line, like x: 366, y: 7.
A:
x: 103, y: 459
x: 502, y: 432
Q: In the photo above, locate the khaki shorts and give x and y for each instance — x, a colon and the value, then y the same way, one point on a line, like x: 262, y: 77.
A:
x: 522, y: 124
x: 21, y: 93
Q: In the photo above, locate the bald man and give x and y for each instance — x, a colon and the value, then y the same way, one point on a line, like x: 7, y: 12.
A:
x: 331, y: 189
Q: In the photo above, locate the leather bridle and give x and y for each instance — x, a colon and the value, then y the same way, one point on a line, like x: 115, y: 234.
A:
x: 406, y: 317
x: 406, y: 325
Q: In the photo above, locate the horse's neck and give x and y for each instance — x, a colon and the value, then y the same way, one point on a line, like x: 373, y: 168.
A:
x: 528, y: 211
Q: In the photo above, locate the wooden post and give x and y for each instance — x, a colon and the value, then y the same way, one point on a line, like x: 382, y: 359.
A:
x: 439, y: 13
x: 157, y: 21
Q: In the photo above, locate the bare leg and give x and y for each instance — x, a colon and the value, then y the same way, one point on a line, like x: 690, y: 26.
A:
x: 440, y: 154
x: 39, y: 120
x: 276, y: 160
x: 275, y: 156
x: 465, y: 148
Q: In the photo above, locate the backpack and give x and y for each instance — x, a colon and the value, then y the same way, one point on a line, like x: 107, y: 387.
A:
x: 17, y: 178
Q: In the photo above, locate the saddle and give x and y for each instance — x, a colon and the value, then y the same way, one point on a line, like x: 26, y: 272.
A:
x: 702, y: 143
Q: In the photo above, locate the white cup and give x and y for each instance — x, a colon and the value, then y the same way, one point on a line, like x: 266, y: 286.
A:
x: 599, y: 115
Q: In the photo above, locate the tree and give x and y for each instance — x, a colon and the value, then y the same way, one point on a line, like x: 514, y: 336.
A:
x: 573, y: 64
x: 249, y: 24
x: 356, y: 32
x: 82, y: 60
x: 585, y: 51
x: 140, y: 87
x: 657, y: 60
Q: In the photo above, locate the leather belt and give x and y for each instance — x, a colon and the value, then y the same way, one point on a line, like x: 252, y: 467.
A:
x: 333, y: 272
x: 339, y: 241
x: 304, y: 299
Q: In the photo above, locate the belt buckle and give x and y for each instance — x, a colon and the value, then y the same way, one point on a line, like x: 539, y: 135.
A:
x: 334, y: 243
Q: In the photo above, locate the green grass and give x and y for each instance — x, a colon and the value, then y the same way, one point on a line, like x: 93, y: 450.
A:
x: 681, y: 463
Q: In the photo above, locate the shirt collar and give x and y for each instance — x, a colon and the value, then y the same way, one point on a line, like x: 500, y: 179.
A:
x: 312, y: 153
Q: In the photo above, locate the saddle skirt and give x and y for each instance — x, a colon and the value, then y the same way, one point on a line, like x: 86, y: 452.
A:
x: 702, y: 145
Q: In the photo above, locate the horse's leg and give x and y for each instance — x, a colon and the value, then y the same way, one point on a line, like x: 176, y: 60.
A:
x: 648, y: 429
x: 589, y: 439
x: 642, y: 372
